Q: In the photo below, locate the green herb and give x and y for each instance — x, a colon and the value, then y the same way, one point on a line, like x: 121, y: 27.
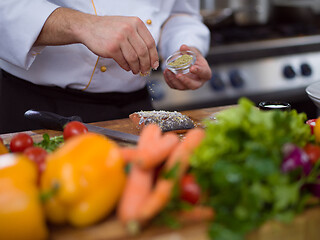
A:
x: 50, y: 144
x: 167, y: 216
x: 127, y: 168
x: 181, y: 61
x: 172, y: 173
x: 45, y: 196
x: 239, y: 162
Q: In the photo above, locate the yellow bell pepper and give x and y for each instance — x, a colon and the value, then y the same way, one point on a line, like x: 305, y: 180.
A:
x: 3, y: 148
x: 316, y: 130
x: 21, y: 213
x: 83, y: 180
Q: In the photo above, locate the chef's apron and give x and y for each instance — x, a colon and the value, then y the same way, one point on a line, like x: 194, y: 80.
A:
x: 17, y: 96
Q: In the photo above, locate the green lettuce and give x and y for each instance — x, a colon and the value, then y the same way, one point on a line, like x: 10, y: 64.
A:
x: 238, y: 164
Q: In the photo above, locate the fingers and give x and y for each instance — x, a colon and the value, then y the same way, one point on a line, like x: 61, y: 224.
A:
x: 125, y: 39
x: 131, y: 57
x: 203, y: 73
x: 122, y: 62
x: 142, y: 55
x: 151, y: 45
x: 172, y: 81
x: 182, y: 81
x: 184, y: 48
x: 145, y: 48
x: 192, y: 80
x: 198, y: 74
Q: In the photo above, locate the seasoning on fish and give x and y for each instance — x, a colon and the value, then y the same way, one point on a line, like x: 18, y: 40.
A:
x: 166, y: 120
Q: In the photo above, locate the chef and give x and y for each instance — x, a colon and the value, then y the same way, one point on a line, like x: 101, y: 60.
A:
x: 90, y: 57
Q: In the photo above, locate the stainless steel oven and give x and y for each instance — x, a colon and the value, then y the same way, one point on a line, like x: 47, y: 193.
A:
x: 276, y: 60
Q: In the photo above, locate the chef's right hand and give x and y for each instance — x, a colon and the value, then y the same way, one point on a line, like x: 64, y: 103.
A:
x: 125, y: 39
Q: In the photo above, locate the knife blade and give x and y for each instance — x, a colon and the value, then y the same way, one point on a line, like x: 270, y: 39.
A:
x: 53, y: 121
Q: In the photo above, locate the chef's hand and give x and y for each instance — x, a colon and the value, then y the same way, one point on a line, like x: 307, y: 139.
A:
x: 199, y: 73
x: 125, y: 39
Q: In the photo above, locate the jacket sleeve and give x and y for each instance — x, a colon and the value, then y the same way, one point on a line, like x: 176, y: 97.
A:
x: 184, y: 26
x: 21, y: 22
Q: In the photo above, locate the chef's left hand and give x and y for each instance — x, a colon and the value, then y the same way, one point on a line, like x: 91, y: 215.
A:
x: 199, y: 73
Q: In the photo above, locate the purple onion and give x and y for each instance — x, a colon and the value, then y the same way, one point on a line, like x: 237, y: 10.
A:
x: 295, y: 157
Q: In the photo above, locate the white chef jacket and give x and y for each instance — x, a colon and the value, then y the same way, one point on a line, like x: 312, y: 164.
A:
x: 75, y: 66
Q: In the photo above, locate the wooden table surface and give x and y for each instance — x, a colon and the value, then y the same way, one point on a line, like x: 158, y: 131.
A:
x: 304, y: 227
x: 124, y: 125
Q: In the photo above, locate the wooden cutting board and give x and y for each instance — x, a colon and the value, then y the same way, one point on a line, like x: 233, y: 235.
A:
x: 124, y: 125
x: 304, y: 227
x: 111, y: 229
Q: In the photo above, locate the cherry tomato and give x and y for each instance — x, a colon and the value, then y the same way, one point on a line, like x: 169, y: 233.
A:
x: 311, y: 123
x: 190, y: 190
x: 74, y: 128
x: 20, y: 142
x: 313, y: 151
x: 37, y: 155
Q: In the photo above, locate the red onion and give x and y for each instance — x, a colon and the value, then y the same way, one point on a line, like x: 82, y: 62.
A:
x: 295, y: 157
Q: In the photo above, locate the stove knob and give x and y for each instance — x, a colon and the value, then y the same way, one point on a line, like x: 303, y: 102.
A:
x: 155, y: 90
x: 288, y: 72
x: 216, y: 82
x: 305, y: 69
x: 236, y: 79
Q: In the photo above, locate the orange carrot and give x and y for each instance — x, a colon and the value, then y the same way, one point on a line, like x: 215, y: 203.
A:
x: 193, y: 138
x: 128, y: 153
x: 147, y: 146
x: 196, y: 214
x: 137, y: 188
x: 160, y: 196
x: 157, y: 200
x: 184, y: 150
x: 152, y: 156
x: 150, y: 134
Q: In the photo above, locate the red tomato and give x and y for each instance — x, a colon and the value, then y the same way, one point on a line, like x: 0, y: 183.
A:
x: 74, y: 128
x: 311, y: 123
x: 20, y: 142
x: 190, y: 190
x: 313, y: 151
x: 37, y: 155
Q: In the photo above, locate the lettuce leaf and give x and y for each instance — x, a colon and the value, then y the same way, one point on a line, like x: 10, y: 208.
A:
x: 238, y: 164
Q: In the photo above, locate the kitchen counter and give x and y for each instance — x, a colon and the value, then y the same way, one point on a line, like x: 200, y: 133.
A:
x: 304, y: 227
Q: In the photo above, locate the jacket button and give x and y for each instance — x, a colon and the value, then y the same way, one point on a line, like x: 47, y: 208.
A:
x: 103, y: 69
x: 149, y: 22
